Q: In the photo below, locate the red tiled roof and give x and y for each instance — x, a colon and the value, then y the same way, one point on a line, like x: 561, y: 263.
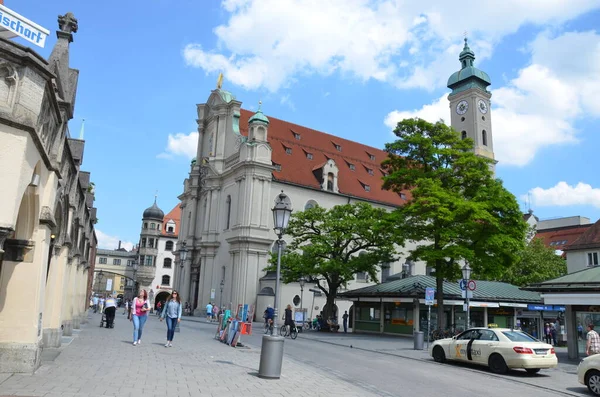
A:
x: 562, y: 238
x: 296, y: 168
x: 590, y: 238
x: 174, y: 215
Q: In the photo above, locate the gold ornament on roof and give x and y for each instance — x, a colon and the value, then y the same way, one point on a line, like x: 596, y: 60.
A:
x: 220, y: 81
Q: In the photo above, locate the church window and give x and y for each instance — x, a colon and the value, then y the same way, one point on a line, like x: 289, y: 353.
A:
x: 463, y: 135
x: 166, y: 280
x: 462, y: 119
x: 169, y: 246
x: 167, y: 263
x: 228, y: 202
x: 484, y: 137
x: 310, y: 204
x: 330, y: 182
x: 483, y: 118
x: 170, y: 229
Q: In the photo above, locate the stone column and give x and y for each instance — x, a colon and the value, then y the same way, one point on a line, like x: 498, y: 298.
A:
x: 53, y: 304
x: 22, y: 290
x: 485, y: 316
x: 86, y: 298
x: 68, y: 296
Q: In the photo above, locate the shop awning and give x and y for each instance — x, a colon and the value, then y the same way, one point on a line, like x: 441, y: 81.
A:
x: 484, y: 304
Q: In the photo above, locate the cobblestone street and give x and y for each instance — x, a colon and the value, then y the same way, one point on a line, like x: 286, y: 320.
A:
x: 103, y: 362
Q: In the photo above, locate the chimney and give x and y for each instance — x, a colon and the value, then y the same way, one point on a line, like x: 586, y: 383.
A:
x: 119, y: 240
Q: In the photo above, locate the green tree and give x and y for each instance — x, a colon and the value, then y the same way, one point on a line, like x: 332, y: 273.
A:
x: 457, y: 211
x: 536, y: 263
x: 333, y: 245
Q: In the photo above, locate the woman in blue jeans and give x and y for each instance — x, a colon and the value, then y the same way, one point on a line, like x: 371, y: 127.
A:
x: 139, y: 311
x: 172, y: 312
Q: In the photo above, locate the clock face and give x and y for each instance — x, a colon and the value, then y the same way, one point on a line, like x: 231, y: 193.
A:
x: 462, y: 107
x: 483, y: 108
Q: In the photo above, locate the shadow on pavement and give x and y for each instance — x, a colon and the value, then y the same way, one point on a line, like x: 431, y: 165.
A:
x: 581, y: 389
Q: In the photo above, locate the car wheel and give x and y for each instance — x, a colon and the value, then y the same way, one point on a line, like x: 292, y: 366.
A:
x: 592, y: 381
x: 438, y: 354
x: 497, y: 364
x: 532, y: 371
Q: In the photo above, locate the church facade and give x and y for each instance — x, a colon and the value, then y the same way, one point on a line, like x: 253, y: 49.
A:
x: 245, y: 159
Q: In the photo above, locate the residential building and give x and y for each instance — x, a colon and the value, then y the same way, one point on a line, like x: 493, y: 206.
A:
x: 113, y: 273
x: 245, y: 159
x: 47, y: 214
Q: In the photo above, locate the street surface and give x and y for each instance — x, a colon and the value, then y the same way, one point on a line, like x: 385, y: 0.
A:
x: 102, y: 362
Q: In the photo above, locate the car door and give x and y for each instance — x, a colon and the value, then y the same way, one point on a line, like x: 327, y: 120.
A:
x: 482, y: 346
x: 458, y: 346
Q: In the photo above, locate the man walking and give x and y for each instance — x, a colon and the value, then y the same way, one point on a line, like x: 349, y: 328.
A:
x: 110, y: 307
x: 209, y: 312
x: 95, y: 300
x: 345, y: 321
x: 593, y: 341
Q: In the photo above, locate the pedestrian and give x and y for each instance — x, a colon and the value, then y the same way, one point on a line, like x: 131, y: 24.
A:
x: 139, y: 315
x: 101, y: 303
x: 95, y: 300
x: 209, y: 312
x: 288, y: 321
x: 215, y: 312
x: 547, y: 334
x: 159, y: 308
x: 126, y: 309
x: 593, y: 341
x: 172, y: 313
x: 110, y: 307
x: 345, y: 321
x: 553, y: 333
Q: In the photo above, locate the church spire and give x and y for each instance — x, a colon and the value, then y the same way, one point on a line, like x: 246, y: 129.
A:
x: 467, y: 56
x: 259, y: 116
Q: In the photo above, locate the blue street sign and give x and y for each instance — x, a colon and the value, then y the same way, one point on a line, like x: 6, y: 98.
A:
x: 429, y: 296
x: 463, y: 284
x: 542, y: 307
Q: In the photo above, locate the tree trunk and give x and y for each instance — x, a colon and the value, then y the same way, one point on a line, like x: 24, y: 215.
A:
x: 329, y: 308
x: 439, y: 281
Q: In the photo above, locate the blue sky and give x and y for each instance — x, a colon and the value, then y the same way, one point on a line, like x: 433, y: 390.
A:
x: 352, y: 68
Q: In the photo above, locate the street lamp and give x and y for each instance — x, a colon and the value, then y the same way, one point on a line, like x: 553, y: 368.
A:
x: 182, y: 255
x: 222, y: 284
x: 135, y: 270
x: 466, y: 271
x: 302, y: 281
x: 271, y: 353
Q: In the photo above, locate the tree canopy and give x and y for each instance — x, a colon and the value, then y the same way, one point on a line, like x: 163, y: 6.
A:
x: 331, y: 246
x: 458, y: 212
x: 536, y: 263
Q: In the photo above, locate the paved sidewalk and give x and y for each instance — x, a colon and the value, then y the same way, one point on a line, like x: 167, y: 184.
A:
x: 103, y: 362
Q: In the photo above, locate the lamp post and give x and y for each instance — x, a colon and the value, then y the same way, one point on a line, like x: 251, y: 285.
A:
x: 466, y: 271
x: 135, y: 270
x: 302, y: 281
x: 271, y: 354
x: 99, y: 281
x: 182, y: 256
x: 221, y: 285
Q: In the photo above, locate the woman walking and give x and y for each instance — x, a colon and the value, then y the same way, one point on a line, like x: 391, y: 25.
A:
x: 172, y: 312
x: 139, y: 315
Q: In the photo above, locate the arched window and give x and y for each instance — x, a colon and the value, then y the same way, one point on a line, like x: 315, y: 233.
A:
x: 463, y: 135
x: 152, y: 226
x: 228, y: 202
x: 169, y: 246
x: 166, y: 280
x: 167, y: 263
x: 145, y: 225
x: 484, y: 137
x: 330, y: 182
x: 310, y: 204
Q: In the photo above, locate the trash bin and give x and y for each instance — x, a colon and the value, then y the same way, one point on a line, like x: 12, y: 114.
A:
x: 271, y: 357
x: 418, y: 339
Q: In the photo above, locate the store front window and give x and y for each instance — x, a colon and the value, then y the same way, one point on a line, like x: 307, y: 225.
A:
x: 585, y: 315
x: 368, y: 316
x: 398, y: 318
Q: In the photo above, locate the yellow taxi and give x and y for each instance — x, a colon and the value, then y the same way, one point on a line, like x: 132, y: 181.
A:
x: 500, y: 349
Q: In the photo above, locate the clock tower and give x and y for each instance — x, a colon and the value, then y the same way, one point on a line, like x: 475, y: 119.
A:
x: 470, y: 106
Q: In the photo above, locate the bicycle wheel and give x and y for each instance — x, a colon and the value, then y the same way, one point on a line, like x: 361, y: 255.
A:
x: 267, y: 328
x: 294, y: 333
x: 283, y: 331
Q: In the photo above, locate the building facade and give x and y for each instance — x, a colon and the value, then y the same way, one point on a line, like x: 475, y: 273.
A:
x: 113, y: 273
x: 47, y: 214
x: 245, y: 159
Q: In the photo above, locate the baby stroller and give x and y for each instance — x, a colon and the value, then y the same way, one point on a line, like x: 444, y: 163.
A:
x: 103, y: 321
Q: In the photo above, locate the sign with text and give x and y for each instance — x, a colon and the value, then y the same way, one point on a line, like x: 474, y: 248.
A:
x: 109, y: 284
x: 429, y: 296
x: 22, y: 26
x: 212, y: 293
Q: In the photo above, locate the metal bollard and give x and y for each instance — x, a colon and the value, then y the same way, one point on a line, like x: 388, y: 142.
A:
x: 271, y: 357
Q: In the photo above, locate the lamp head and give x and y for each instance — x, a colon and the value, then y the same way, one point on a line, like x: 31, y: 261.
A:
x: 281, y: 213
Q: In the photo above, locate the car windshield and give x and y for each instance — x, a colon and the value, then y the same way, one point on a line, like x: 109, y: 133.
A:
x: 517, y: 336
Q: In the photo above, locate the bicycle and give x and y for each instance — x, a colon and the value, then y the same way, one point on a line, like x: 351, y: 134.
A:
x: 292, y: 333
x: 269, y: 327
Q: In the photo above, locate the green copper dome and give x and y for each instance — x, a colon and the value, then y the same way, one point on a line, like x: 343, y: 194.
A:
x: 226, y: 96
x: 193, y: 161
x: 468, y: 76
x: 259, y: 116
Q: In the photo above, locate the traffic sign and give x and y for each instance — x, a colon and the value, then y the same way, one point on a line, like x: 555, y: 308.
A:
x: 468, y: 294
x: 429, y: 295
x: 471, y: 285
x: 463, y: 284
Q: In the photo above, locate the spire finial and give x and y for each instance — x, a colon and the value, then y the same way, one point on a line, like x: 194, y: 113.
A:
x: 220, y: 81
x: 259, y: 106
x: 155, y: 196
x: 81, y: 131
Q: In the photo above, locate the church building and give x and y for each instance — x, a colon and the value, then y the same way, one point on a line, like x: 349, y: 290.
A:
x: 245, y: 159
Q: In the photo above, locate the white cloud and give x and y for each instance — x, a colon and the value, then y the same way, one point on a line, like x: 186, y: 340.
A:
x: 563, y: 195
x: 285, y: 100
x: 266, y: 43
x: 539, y: 107
x: 111, y: 242
x: 180, y: 145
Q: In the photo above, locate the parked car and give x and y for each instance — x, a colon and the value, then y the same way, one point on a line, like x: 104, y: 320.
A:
x: 500, y: 349
x: 588, y: 373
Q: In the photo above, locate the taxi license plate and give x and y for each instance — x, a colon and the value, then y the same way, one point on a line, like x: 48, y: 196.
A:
x: 540, y: 351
